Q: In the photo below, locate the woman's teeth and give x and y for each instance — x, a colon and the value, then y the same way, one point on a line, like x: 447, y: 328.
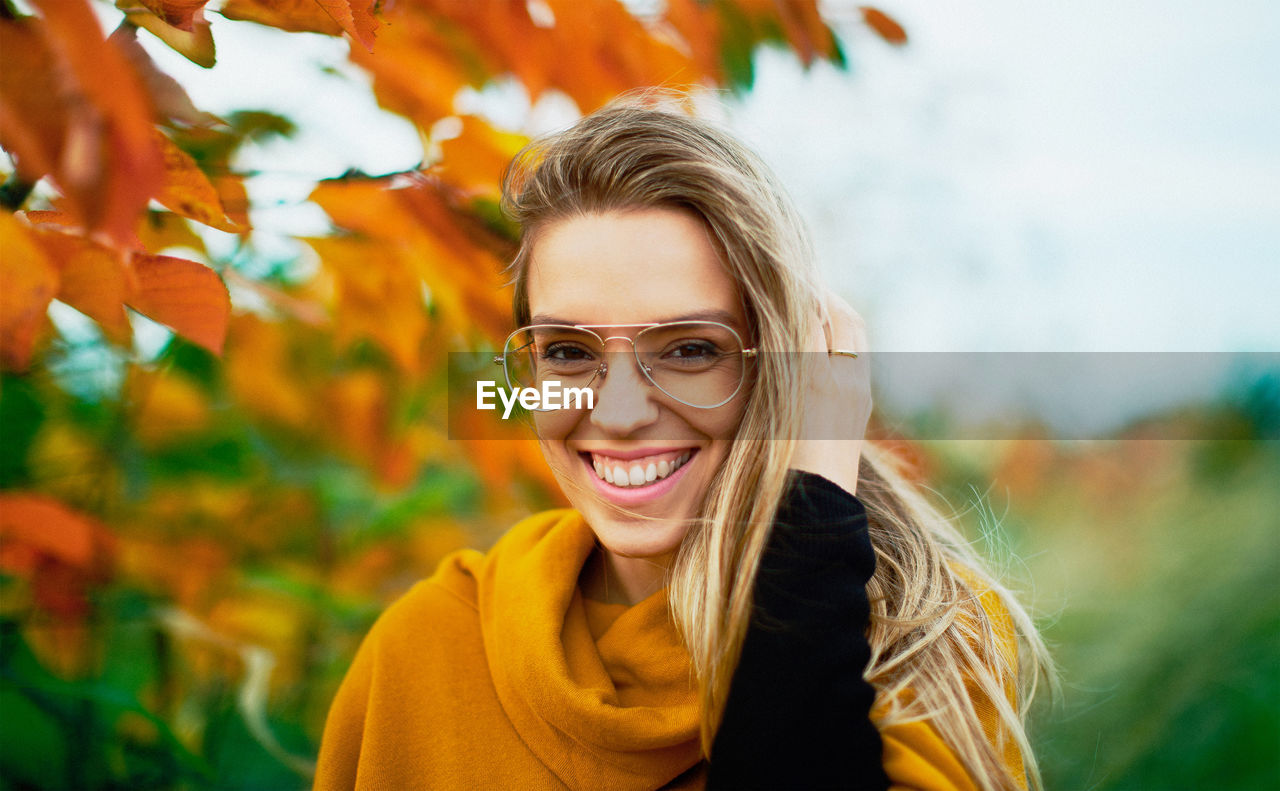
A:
x: 638, y: 472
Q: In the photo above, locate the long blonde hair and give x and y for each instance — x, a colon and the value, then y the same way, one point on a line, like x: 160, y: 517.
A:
x: 933, y: 648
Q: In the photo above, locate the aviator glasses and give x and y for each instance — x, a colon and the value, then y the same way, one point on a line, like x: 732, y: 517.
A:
x: 698, y: 363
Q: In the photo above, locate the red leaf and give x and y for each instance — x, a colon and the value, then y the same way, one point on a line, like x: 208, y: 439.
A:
x: 884, y: 25
x: 185, y: 296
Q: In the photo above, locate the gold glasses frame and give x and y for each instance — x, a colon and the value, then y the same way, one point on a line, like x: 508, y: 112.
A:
x: 603, y: 369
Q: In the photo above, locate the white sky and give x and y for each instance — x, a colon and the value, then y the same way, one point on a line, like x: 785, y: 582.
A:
x: 1091, y: 176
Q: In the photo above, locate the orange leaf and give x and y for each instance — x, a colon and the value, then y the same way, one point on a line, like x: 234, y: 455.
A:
x: 379, y: 297
x: 359, y: 407
x: 808, y: 35
x: 33, y: 123
x: 699, y: 30
x: 182, y: 14
x: 185, y: 296
x: 28, y: 282
x: 50, y: 528
x: 355, y: 17
x: 475, y: 159
x: 167, y: 94
x: 188, y: 191
x: 416, y: 72
x: 295, y: 16
x: 884, y: 25
x: 262, y: 370
x: 73, y: 108
x: 234, y: 199
x: 92, y: 280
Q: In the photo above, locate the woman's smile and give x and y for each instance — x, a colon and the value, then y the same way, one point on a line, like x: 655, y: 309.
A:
x: 637, y: 476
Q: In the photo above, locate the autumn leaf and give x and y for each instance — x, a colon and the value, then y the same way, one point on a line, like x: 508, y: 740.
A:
x: 167, y: 406
x: 182, y: 14
x: 378, y: 297
x: 262, y: 371
x: 359, y: 405
x: 196, y: 45
x: 92, y: 279
x: 170, y: 99
x: 187, y: 297
x: 417, y: 71
x: 475, y: 159
x: 807, y: 34
x: 884, y: 25
x: 187, y: 190
x: 699, y: 30
x: 233, y: 197
x: 28, y: 283
x: 295, y: 16
x: 46, y: 526
x: 355, y: 17
x: 162, y: 230
x: 73, y: 108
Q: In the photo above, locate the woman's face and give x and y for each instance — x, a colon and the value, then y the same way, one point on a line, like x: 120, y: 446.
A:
x: 634, y: 267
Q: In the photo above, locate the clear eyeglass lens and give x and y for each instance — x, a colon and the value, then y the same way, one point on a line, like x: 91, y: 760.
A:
x: 697, y: 363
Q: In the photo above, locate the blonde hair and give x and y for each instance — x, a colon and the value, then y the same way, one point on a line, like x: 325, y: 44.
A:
x: 932, y: 645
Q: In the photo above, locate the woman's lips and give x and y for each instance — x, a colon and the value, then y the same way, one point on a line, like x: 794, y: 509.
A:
x: 654, y: 474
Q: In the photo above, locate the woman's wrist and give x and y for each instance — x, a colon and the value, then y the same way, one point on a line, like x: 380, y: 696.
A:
x: 836, y: 460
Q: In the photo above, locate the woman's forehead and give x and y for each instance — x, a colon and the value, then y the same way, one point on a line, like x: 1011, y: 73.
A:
x: 637, y: 266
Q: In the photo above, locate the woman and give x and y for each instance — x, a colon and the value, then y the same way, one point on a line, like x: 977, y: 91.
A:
x: 717, y: 589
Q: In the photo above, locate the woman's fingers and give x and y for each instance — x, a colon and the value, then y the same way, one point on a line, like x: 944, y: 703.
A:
x: 837, y: 395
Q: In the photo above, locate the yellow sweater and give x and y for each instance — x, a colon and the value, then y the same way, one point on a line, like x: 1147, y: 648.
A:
x: 497, y: 673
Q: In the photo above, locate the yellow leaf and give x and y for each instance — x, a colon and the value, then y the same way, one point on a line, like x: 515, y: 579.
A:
x: 28, y: 282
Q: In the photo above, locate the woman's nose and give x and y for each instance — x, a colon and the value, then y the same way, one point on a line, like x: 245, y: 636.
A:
x: 625, y: 400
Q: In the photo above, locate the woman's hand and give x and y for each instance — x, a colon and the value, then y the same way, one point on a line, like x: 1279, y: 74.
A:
x: 837, y: 396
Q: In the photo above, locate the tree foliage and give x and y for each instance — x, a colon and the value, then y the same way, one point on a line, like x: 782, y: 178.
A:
x: 193, y: 539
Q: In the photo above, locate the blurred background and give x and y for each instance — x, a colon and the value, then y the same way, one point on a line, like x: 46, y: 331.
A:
x: 240, y: 241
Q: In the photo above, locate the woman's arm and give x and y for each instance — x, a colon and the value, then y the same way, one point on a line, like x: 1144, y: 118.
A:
x: 798, y: 708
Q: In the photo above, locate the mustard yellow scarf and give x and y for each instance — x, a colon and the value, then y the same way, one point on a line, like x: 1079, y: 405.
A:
x: 488, y: 675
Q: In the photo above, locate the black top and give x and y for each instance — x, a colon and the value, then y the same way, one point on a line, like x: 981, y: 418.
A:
x: 798, y: 714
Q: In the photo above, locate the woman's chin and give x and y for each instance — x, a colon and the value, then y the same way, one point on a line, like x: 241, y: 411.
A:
x: 638, y: 537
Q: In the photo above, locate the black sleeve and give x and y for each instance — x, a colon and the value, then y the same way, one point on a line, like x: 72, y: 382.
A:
x: 798, y: 714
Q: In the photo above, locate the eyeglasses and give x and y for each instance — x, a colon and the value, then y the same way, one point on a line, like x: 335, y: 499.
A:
x: 698, y: 363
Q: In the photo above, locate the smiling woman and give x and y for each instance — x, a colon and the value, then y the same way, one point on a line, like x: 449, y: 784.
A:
x: 744, y: 594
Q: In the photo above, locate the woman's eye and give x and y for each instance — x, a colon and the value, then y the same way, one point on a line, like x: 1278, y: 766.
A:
x: 694, y: 350
x: 566, y: 351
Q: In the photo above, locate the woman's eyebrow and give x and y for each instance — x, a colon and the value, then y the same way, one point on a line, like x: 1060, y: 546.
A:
x: 544, y: 318
x: 721, y: 316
